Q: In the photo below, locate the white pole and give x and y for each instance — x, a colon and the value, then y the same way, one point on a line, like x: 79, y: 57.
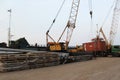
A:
x: 9, y: 29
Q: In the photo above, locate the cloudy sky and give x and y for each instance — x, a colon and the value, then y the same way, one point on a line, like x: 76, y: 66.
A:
x: 32, y: 18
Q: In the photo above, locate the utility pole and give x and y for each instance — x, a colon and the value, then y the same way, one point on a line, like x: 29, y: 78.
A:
x: 9, y: 29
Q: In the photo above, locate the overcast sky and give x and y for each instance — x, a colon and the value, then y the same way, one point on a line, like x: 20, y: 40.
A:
x: 32, y: 18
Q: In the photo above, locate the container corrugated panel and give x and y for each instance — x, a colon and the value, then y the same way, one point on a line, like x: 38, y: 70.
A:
x: 95, y: 46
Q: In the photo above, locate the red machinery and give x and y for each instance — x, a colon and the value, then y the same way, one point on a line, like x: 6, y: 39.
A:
x: 97, y: 45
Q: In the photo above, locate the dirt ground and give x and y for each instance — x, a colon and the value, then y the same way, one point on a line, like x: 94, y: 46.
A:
x: 99, y: 69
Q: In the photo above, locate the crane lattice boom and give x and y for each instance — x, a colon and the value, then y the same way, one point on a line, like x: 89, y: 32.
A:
x: 72, y: 18
x: 115, y: 22
x: 72, y: 21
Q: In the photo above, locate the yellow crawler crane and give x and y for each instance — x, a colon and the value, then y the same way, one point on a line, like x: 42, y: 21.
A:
x: 114, y: 26
x: 113, y: 30
x: 63, y: 46
x: 115, y: 23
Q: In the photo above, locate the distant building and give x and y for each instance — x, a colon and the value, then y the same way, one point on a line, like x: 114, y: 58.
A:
x: 3, y: 45
x: 19, y: 44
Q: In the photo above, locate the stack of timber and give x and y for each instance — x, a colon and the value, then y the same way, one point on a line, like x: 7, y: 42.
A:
x: 14, y: 62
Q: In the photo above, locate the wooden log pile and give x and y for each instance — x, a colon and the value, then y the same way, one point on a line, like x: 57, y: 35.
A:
x: 14, y: 62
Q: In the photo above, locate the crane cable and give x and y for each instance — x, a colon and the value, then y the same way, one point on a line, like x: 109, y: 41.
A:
x: 108, y: 14
x: 106, y: 18
x: 90, y: 8
x: 56, y: 16
x: 91, y: 16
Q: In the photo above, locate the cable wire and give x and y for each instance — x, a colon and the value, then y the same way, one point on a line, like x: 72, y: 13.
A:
x: 106, y: 18
x: 56, y: 15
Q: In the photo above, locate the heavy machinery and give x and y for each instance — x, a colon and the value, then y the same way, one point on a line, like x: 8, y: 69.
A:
x: 115, y: 23
x: 63, y: 46
x: 111, y: 49
x: 104, y: 46
x: 115, y: 50
x: 97, y: 46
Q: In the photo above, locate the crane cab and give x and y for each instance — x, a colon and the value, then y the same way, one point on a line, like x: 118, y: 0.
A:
x: 53, y: 46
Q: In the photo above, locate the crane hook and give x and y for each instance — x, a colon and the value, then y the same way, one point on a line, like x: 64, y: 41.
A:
x: 91, y: 14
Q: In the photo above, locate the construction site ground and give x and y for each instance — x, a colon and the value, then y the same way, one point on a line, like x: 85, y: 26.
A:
x: 107, y: 68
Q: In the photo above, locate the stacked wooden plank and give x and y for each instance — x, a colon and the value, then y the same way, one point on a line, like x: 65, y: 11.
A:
x: 13, y: 62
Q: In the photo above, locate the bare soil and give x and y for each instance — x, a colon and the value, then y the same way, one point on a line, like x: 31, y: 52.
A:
x: 98, y: 69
